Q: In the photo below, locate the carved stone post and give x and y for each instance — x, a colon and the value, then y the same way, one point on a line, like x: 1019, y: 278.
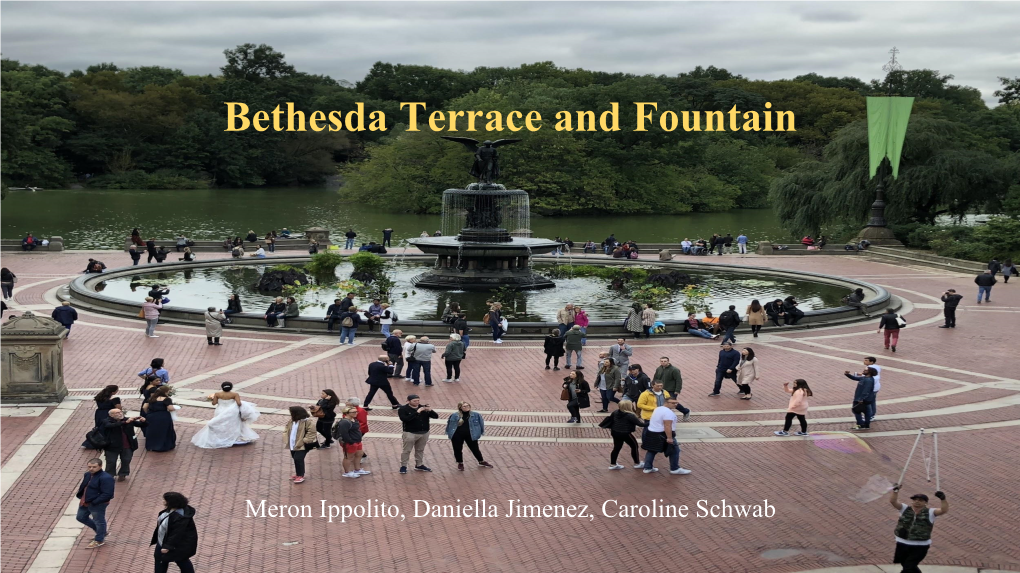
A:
x: 32, y: 359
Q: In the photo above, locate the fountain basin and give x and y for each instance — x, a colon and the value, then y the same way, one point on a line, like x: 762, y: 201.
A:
x: 476, y: 266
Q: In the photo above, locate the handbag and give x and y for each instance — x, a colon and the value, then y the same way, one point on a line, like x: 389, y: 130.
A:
x: 606, y: 422
x: 410, y: 355
x: 141, y: 313
x: 901, y: 322
x: 565, y: 395
x: 317, y: 412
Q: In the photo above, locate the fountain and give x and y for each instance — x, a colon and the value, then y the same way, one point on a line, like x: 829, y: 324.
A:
x: 486, y: 242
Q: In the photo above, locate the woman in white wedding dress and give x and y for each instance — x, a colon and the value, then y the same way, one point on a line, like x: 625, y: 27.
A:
x: 231, y: 426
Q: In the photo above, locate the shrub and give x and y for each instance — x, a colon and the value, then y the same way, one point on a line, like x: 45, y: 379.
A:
x: 323, y: 265
x: 368, y: 264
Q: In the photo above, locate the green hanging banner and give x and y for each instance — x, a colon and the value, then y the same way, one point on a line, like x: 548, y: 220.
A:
x: 887, y: 128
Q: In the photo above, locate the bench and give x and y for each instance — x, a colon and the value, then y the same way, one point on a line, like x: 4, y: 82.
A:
x: 767, y: 248
x: 293, y: 244
x: 56, y: 244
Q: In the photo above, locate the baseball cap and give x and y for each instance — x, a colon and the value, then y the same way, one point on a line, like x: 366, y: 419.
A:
x: 920, y: 496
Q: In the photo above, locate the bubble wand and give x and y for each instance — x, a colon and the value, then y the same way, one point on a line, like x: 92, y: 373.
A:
x: 906, y: 465
x: 935, y: 442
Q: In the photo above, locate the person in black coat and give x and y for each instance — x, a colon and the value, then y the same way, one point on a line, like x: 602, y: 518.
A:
x: 121, y: 442
x: 150, y: 248
x: 276, y: 309
x: 577, y: 395
x: 726, y: 367
x: 332, y: 314
x: 328, y: 401
x: 553, y: 348
x: 892, y: 328
x: 793, y: 314
x: 775, y: 310
x: 65, y: 315
x: 105, y: 401
x: 729, y: 320
x: 635, y: 382
x: 379, y: 374
x: 394, y: 349
x: 622, y: 425
x: 950, y: 301
x: 175, y: 536
x: 135, y: 255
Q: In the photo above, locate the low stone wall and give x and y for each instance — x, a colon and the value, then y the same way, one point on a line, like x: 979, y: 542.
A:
x: 81, y: 292
x: 767, y: 248
x: 922, y: 258
x: 56, y: 244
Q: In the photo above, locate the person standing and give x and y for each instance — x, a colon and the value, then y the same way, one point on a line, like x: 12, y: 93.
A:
x: 755, y: 317
x: 862, y: 397
x: 422, y: 354
x: 157, y: 367
x: 576, y: 395
x: 623, y: 422
x: 950, y: 301
x: 414, y: 418
x: 1008, y: 270
x: 150, y: 311
x: 379, y: 374
x: 134, y: 254
x: 349, y: 322
x: 608, y: 382
x: 121, y: 442
x: 572, y: 344
x: 621, y: 353
x: 347, y: 302
x: 994, y: 266
x: 553, y: 346
x: 362, y: 417
x: 299, y: 436
x: 495, y: 318
x: 581, y: 320
x: 214, y: 321
x: 409, y: 343
x: 870, y: 362
x: 633, y: 320
x: 395, y: 353
x: 985, y: 281
x: 726, y: 367
x: 890, y: 321
x: 150, y: 249
x: 65, y: 315
x: 747, y: 372
x: 160, y: 435
x: 324, y: 412
x: 95, y: 493
x: 460, y: 326
x: 651, y: 399
x: 387, y: 237
x: 634, y: 383
x: 348, y: 432
x: 565, y: 318
x: 452, y: 355
x: 106, y: 400
x: 672, y: 382
x: 798, y: 407
x: 742, y: 243
x: 647, y: 320
x: 661, y: 437
x: 350, y: 235
x: 386, y: 318
x: 7, y: 280
x: 729, y: 320
x: 175, y: 536
x: 465, y: 426
x: 913, y: 530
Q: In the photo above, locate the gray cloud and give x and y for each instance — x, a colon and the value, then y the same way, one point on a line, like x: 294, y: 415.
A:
x: 974, y: 41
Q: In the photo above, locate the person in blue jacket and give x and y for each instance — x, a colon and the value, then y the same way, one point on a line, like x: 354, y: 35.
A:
x: 95, y: 493
x: 65, y: 315
x: 729, y: 359
x: 863, y: 396
x: 465, y: 426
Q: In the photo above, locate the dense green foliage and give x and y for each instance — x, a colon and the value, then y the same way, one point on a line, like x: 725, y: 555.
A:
x: 999, y: 238
x: 323, y: 265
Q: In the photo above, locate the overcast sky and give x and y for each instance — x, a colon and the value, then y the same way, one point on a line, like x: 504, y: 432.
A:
x: 974, y: 41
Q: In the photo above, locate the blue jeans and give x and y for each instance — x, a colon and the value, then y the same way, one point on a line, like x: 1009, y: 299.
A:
x: 728, y: 335
x: 607, y: 397
x: 873, y: 407
x: 466, y: 339
x: 564, y: 328
x: 348, y: 332
x: 720, y: 374
x: 987, y: 290
x: 417, y: 368
x: 385, y: 328
x: 864, y: 418
x: 496, y: 331
x: 673, y: 453
x: 578, y: 355
x: 700, y: 332
x: 584, y: 339
x: 680, y: 408
x: 93, y: 516
x: 349, y: 244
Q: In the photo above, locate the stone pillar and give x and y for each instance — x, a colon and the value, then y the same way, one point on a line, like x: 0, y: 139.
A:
x: 32, y: 359
x: 318, y: 234
x: 764, y: 248
x: 57, y: 244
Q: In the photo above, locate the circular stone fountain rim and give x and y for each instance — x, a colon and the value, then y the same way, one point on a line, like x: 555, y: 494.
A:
x: 82, y: 288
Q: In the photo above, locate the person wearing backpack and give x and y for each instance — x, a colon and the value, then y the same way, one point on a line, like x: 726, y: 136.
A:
x: 892, y: 323
x: 349, y: 322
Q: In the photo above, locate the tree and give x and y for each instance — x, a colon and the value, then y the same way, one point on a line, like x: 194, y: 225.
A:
x: 1010, y: 92
x: 255, y: 63
x: 35, y: 121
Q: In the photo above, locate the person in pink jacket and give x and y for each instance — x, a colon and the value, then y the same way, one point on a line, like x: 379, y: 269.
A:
x: 581, y: 319
x: 150, y: 310
x: 798, y: 407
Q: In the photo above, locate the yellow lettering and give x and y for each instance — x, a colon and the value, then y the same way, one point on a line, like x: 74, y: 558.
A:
x: 565, y: 122
x: 412, y: 115
x: 697, y: 120
x: 510, y: 120
x: 258, y: 119
x: 668, y: 121
x: 436, y: 121
x: 336, y: 118
x: 471, y: 119
x: 533, y: 116
x: 231, y: 115
x: 642, y: 116
x: 496, y: 121
x: 714, y: 118
x: 314, y: 119
x: 378, y: 121
x: 752, y: 122
x: 768, y: 116
x: 276, y: 119
x: 359, y: 115
x: 780, y: 125
x: 290, y: 118
x: 453, y: 119
x: 613, y: 113
x: 582, y: 116
x: 733, y: 118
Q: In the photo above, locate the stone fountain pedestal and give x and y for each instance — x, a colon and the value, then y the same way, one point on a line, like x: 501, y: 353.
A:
x: 33, y: 360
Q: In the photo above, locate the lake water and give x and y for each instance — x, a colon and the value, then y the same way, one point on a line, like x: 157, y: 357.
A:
x: 209, y: 287
x: 103, y: 219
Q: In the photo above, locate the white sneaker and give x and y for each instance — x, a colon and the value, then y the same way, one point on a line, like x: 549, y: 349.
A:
x: 639, y: 466
x: 363, y: 472
x: 651, y: 471
x: 408, y: 380
x: 456, y: 379
x: 680, y: 472
x: 153, y: 336
x: 352, y: 475
x: 687, y: 417
x: 446, y: 379
x: 802, y: 434
x: 781, y: 433
x: 616, y: 467
x: 500, y: 341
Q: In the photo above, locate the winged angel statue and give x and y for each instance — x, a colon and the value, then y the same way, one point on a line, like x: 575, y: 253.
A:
x: 486, y: 165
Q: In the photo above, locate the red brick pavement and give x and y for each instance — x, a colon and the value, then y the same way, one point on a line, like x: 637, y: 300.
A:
x: 810, y: 486
x: 14, y: 430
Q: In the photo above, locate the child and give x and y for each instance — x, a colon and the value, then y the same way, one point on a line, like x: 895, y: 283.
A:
x: 798, y: 407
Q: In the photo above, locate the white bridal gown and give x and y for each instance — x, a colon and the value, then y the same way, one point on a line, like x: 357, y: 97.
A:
x: 230, y: 426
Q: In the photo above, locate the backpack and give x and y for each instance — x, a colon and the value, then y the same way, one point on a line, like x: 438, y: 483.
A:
x: 97, y: 438
x: 393, y: 317
x: 347, y: 322
x: 336, y: 431
x: 485, y: 318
